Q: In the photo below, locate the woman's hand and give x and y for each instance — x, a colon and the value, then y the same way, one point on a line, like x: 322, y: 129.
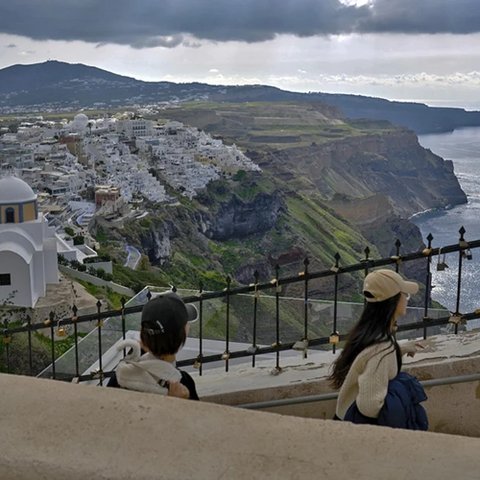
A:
x: 411, y: 348
x: 176, y: 389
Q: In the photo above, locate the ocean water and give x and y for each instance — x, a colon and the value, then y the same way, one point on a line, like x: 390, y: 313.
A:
x: 462, y: 146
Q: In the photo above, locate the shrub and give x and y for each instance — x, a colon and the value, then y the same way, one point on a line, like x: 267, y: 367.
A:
x: 240, y: 175
x: 78, y: 240
x: 69, y: 231
x: 98, y: 258
x: 75, y: 264
x: 100, y: 273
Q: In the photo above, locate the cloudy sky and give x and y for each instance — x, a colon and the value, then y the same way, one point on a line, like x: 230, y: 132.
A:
x: 422, y: 50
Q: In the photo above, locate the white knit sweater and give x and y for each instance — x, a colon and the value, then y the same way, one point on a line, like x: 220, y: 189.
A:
x: 367, y: 380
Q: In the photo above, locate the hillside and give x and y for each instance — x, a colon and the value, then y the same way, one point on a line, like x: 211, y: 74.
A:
x: 314, y: 151
x: 61, y: 85
x: 326, y: 186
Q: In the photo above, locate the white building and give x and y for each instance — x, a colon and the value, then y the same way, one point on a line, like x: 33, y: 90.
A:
x: 79, y: 123
x: 28, y: 252
x: 137, y: 127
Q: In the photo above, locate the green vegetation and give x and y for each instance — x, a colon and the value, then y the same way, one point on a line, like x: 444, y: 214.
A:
x: 244, y: 186
x: 231, y: 254
x: 145, y: 222
x: 136, y: 279
x: 291, y: 319
x: 18, y: 346
x: 187, y: 243
x: 69, y: 231
x: 78, y: 240
x: 98, y: 258
x: 250, y: 187
x: 309, y: 220
x: 19, y: 357
x: 212, y: 280
x: 104, y: 293
x: 273, y: 125
x: 240, y: 176
x: 60, y: 346
x: 101, y: 236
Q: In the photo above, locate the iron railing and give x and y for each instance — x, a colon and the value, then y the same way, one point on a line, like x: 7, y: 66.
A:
x: 56, y: 327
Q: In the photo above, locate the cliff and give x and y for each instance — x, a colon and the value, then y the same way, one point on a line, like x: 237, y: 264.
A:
x: 390, y: 163
x: 326, y: 186
x: 236, y: 228
x: 237, y: 219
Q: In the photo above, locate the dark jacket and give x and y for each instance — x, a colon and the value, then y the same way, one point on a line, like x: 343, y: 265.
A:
x: 401, y: 408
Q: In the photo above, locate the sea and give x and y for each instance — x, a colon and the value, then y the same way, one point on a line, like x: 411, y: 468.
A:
x: 462, y: 146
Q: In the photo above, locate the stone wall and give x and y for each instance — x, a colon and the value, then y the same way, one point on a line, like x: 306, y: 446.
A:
x: 58, y: 430
x: 96, y: 281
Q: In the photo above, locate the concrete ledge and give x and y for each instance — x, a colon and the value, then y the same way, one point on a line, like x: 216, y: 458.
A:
x: 55, y: 430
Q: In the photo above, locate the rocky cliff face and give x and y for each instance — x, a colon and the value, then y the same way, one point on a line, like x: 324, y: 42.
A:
x: 375, y: 182
x: 156, y: 242
x: 392, y: 163
x: 176, y: 229
x: 371, y: 182
x: 239, y: 219
x: 375, y: 217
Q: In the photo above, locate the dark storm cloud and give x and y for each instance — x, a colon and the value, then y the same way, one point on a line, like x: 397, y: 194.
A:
x: 423, y: 16
x: 150, y: 23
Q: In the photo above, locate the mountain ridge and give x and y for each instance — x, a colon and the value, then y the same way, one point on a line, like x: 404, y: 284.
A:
x: 67, y: 85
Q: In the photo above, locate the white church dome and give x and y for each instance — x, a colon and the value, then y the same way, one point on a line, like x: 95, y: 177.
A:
x: 14, y: 190
x: 80, y: 120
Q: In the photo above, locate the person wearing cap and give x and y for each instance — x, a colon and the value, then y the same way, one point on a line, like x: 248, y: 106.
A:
x: 164, y: 329
x: 367, y: 372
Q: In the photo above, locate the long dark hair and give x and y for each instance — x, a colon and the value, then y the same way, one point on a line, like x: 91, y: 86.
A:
x: 374, y: 326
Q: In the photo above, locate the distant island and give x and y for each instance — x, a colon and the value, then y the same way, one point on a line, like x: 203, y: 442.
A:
x: 58, y: 86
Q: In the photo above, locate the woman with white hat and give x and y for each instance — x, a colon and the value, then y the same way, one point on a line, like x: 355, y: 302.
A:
x: 367, y: 372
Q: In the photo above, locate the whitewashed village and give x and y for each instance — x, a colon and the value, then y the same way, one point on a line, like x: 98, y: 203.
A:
x: 85, y: 167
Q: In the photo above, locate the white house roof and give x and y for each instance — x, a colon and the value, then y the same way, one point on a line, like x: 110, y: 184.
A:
x: 14, y: 190
x: 17, y: 249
